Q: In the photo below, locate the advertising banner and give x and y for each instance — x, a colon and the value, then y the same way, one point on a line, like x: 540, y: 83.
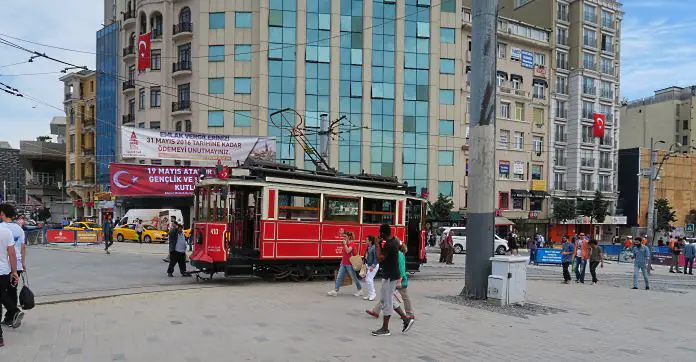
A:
x: 549, y: 256
x: 150, y: 180
x: 60, y: 236
x: 516, y: 54
x: 504, y: 167
x: 527, y: 59
x: 187, y: 146
x: 87, y: 237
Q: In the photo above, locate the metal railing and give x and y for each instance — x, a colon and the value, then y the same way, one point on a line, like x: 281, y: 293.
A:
x: 129, y: 14
x: 181, y: 106
x: 181, y: 65
x: 182, y: 28
x: 129, y: 50
x: 129, y: 84
x: 128, y: 118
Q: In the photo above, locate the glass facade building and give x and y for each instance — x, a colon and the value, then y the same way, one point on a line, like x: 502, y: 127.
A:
x: 107, y: 93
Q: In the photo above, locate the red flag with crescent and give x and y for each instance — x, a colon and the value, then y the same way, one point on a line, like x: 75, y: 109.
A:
x: 144, y: 51
x: 599, y: 122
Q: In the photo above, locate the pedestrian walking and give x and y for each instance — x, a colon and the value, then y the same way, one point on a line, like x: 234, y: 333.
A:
x: 566, y: 258
x: 8, y: 269
x: 689, y: 255
x: 107, y: 231
x: 177, y: 251
x: 512, y: 244
x: 403, y: 286
x: 532, y: 246
x: 139, y: 230
x: 388, y: 257
x: 641, y: 255
x: 596, y: 258
x: 372, y: 268
x: 444, y: 252
x: 449, y: 243
x: 13, y: 315
x: 676, y: 247
x: 581, y: 256
x: 349, y: 250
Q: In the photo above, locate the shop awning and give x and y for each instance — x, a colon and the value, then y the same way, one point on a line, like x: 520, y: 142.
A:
x: 516, y: 76
x: 503, y: 74
x: 502, y: 221
x: 539, y: 194
x: 520, y: 193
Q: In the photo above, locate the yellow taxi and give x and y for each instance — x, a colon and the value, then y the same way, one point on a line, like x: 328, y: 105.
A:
x: 83, y: 225
x: 150, y: 233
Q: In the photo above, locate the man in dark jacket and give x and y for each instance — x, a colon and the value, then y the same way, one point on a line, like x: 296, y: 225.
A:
x: 107, y: 231
x: 177, y: 250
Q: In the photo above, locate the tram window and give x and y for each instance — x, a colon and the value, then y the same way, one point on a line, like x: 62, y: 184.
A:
x: 344, y: 209
x: 298, y: 206
x: 203, y: 204
x: 379, y: 211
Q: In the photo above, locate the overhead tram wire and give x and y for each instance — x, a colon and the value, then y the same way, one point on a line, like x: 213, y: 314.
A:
x: 420, y: 9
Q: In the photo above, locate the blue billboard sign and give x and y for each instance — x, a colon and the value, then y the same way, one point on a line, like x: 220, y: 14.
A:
x: 527, y: 59
x: 549, y: 256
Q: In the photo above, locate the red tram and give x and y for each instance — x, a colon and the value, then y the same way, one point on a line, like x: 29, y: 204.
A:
x: 279, y: 222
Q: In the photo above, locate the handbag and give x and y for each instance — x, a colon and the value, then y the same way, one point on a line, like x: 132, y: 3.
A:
x: 363, y: 271
x: 26, y: 296
x: 357, y: 262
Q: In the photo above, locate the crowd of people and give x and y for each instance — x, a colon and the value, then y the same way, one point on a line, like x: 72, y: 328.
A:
x: 387, y: 253
x: 13, y: 262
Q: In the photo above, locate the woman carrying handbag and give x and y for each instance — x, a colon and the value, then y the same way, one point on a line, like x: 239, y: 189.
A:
x: 349, y: 252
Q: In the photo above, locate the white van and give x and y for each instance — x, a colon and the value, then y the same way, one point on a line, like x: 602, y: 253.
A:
x: 459, y: 239
x: 158, y: 218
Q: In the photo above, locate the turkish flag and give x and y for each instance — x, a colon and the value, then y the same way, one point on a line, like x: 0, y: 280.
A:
x: 144, y: 51
x: 599, y: 122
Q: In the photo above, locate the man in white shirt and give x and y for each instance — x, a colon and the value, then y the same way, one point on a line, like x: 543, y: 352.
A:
x: 8, y: 267
x: 13, y: 315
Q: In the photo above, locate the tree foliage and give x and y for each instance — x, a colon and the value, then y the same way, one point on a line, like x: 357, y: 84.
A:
x: 596, y: 209
x: 664, y: 215
x: 564, y: 210
x: 442, y: 208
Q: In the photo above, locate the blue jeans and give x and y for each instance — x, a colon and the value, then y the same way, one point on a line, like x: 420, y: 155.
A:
x: 342, y: 274
x: 636, y: 269
x: 580, y: 269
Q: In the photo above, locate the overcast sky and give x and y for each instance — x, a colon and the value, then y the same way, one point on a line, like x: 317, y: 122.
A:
x: 657, y: 51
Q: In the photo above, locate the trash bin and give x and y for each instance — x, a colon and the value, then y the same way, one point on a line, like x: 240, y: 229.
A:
x: 507, y: 283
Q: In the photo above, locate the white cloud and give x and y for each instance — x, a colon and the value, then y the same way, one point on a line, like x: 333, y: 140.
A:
x: 656, y: 54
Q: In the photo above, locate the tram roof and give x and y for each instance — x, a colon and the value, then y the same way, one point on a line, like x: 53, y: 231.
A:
x: 275, y: 172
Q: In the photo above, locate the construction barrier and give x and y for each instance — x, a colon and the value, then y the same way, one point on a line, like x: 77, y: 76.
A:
x: 73, y: 237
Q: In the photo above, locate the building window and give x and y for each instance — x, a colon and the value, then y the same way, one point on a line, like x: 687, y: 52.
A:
x: 242, y: 118
x: 607, y: 43
x: 518, y: 170
x: 216, y: 85
x: 216, y: 118
x: 156, y: 59
x: 519, y: 141
x: 177, y: 126
x: 537, y: 172
x: 562, y: 60
x: 446, y: 127
x: 607, y: 19
x: 423, y: 29
x: 216, y: 20
x: 539, y: 90
x: 587, y: 134
x: 504, y: 139
x: 588, y: 61
x: 559, y: 181
x: 216, y: 53
x: 561, y: 35
x: 517, y: 203
x: 446, y: 66
x: 445, y: 188
x: 242, y: 20
x: 588, y: 86
x: 538, y: 144
x: 559, y: 157
x: 500, y: 80
x: 242, y: 52
x: 685, y: 127
x: 590, y: 14
x: 187, y: 126
x: 448, y: 6
x: 72, y: 143
x: 155, y: 97
x: 685, y: 141
x: 447, y: 96
x: 561, y: 109
x: 447, y: 35
x: 586, y: 182
x: 141, y: 125
x: 154, y: 125
x: 588, y: 110
x: 536, y: 204
x: 501, y: 50
x: 589, y: 38
x: 519, y: 111
x: 445, y: 158
x: 242, y: 85
x: 539, y: 59
x: 562, y: 13
x: 504, y: 200
x: 141, y: 98
x: 505, y: 110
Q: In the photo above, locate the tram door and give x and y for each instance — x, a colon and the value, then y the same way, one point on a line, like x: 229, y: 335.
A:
x: 414, y: 226
x: 243, y: 220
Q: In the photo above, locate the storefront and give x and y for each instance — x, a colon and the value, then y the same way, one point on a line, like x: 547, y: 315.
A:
x: 604, y: 231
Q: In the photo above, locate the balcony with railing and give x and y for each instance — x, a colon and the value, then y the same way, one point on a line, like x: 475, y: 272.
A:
x: 69, y: 96
x: 156, y: 34
x: 587, y: 162
x: 128, y: 118
x: 181, y: 67
x: 129, y: 85
x: 88, y: 152
x: 129, y: 52
x: 88, y: 122
x: 181, y: 107
x: 128, y: 18
x: 182, y: 30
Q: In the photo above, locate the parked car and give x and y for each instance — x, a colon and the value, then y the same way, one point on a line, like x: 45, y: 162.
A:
x: 150, y: 233
x: 83, y: 225
x: 500, y: 245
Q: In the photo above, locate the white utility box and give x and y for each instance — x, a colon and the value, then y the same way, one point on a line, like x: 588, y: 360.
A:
x: 508, y: 280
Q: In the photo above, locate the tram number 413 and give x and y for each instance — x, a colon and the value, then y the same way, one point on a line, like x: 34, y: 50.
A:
x: 214, y: 231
